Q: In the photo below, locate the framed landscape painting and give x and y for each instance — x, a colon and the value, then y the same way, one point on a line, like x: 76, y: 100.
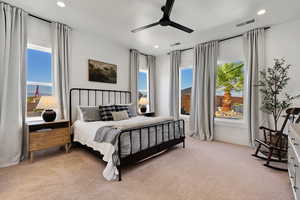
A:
x: 102, y: 72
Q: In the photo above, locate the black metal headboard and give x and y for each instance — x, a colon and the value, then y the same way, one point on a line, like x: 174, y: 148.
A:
x: 95, y: 97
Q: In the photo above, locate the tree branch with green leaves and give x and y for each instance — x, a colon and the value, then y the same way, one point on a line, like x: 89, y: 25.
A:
x: 273, y: 82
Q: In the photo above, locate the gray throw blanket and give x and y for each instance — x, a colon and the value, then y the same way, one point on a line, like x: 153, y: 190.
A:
x: 139, y: 139
x: 109, y: 134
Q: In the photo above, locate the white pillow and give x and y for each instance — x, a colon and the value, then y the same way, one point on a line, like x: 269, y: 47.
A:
x: 121, y: 115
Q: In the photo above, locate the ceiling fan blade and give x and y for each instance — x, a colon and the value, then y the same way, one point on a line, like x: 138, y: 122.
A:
x: 179, y: 26
x: 168, y: 7
x: 144, y: 27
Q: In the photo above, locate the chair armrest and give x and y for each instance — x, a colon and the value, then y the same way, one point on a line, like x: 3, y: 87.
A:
x: 265, y: 128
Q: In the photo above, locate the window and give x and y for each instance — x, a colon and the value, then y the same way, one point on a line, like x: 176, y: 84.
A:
x: 143, y: 84
x: 39, y: 77
x: 230, y: 85
x: 186, y: 80
x: 229, y: 90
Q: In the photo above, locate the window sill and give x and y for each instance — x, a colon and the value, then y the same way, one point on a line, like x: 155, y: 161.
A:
x: 34, y: 119
x: 231, y: 122
x: 224, y: 122
x: 185, y: 117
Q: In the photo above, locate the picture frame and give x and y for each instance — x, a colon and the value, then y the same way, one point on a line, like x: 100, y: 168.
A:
x: 102, y: 72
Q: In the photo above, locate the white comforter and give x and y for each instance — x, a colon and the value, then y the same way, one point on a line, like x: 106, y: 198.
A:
x: 84, y: 132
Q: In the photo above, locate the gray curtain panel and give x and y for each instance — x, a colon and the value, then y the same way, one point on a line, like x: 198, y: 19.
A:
x: 61, y: 62
x: 13, y: 42
x: 134, y: 71
x: 254, y: 45
x: 175, y: 62
x: 203, y: 90
x: 151, y: 65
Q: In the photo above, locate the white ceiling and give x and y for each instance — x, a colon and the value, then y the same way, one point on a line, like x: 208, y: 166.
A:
x: 114, y: 19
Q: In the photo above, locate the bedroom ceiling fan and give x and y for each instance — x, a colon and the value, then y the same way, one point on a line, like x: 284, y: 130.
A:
x: 165, y: 20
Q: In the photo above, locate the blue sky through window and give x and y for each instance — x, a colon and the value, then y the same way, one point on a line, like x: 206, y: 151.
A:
x: 186, y: 78
x: 39, y: 70
x: 39, y: 66
x: 142, y: 81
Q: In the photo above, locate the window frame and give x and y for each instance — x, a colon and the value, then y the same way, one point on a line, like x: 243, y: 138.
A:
x: 236, y: 122
x: 43, y: 49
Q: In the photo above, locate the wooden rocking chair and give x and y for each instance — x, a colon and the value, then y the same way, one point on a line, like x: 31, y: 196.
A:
x: 275, y: 143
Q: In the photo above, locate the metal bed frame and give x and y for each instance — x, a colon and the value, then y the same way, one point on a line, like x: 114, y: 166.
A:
x: 124, y: 97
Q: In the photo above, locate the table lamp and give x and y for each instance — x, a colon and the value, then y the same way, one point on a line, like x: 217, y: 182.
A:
x: 143, y: 104
x: 48, y: 103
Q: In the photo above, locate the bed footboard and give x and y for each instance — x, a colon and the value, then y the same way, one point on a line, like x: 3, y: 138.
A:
x: 166, y: 135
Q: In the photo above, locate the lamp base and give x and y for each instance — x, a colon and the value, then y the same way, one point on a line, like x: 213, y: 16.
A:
x: 49, y: 115
x: 143, y: 109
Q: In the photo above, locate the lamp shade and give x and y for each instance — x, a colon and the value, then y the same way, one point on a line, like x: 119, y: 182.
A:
x: 143, y: 101
x: 47, y: 103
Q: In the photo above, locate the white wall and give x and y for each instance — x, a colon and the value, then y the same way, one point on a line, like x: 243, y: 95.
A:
x: 282, y: 40
x: 85, y: 46
x: 88, y: 46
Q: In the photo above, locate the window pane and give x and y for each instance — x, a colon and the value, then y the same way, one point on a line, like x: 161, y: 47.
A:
x: 39, y: 66
x: 229, y: 90
x: 143, y: 84
x: 39, y: 79
x: 186, y: 75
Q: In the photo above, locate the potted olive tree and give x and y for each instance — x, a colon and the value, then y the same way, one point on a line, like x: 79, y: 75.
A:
x: 273, y: 83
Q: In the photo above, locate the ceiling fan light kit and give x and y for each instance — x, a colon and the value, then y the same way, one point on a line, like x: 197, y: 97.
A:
x: 165, y: 20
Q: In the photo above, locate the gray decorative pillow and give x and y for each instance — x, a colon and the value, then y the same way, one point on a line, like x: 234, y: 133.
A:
x: 128, y: 107
x: 90, y: 113
x: 120, y: 115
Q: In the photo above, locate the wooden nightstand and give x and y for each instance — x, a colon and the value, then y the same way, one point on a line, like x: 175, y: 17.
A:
x: 43, y: 135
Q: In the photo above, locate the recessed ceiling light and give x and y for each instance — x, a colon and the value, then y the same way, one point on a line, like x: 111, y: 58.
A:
x: 156, y: 46
x: 261, y: 12
x: 61, y: 4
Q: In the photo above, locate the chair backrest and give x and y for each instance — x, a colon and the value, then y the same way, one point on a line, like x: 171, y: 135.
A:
x: 291, y: 112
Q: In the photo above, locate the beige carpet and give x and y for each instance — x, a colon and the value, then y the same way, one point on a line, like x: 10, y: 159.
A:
x: 201, y: 171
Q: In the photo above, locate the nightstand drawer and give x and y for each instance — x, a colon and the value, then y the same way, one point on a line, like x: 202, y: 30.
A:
x: 46, y: 139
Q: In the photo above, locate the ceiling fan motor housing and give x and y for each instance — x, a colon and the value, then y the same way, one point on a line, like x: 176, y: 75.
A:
x: 165, y: 21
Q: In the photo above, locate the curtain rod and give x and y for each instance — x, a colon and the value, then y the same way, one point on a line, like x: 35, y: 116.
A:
x: 143, y: 54
x: 40, y: 18
x: 221, y: 40
x: 32, y: 15
x: 45, y: 20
